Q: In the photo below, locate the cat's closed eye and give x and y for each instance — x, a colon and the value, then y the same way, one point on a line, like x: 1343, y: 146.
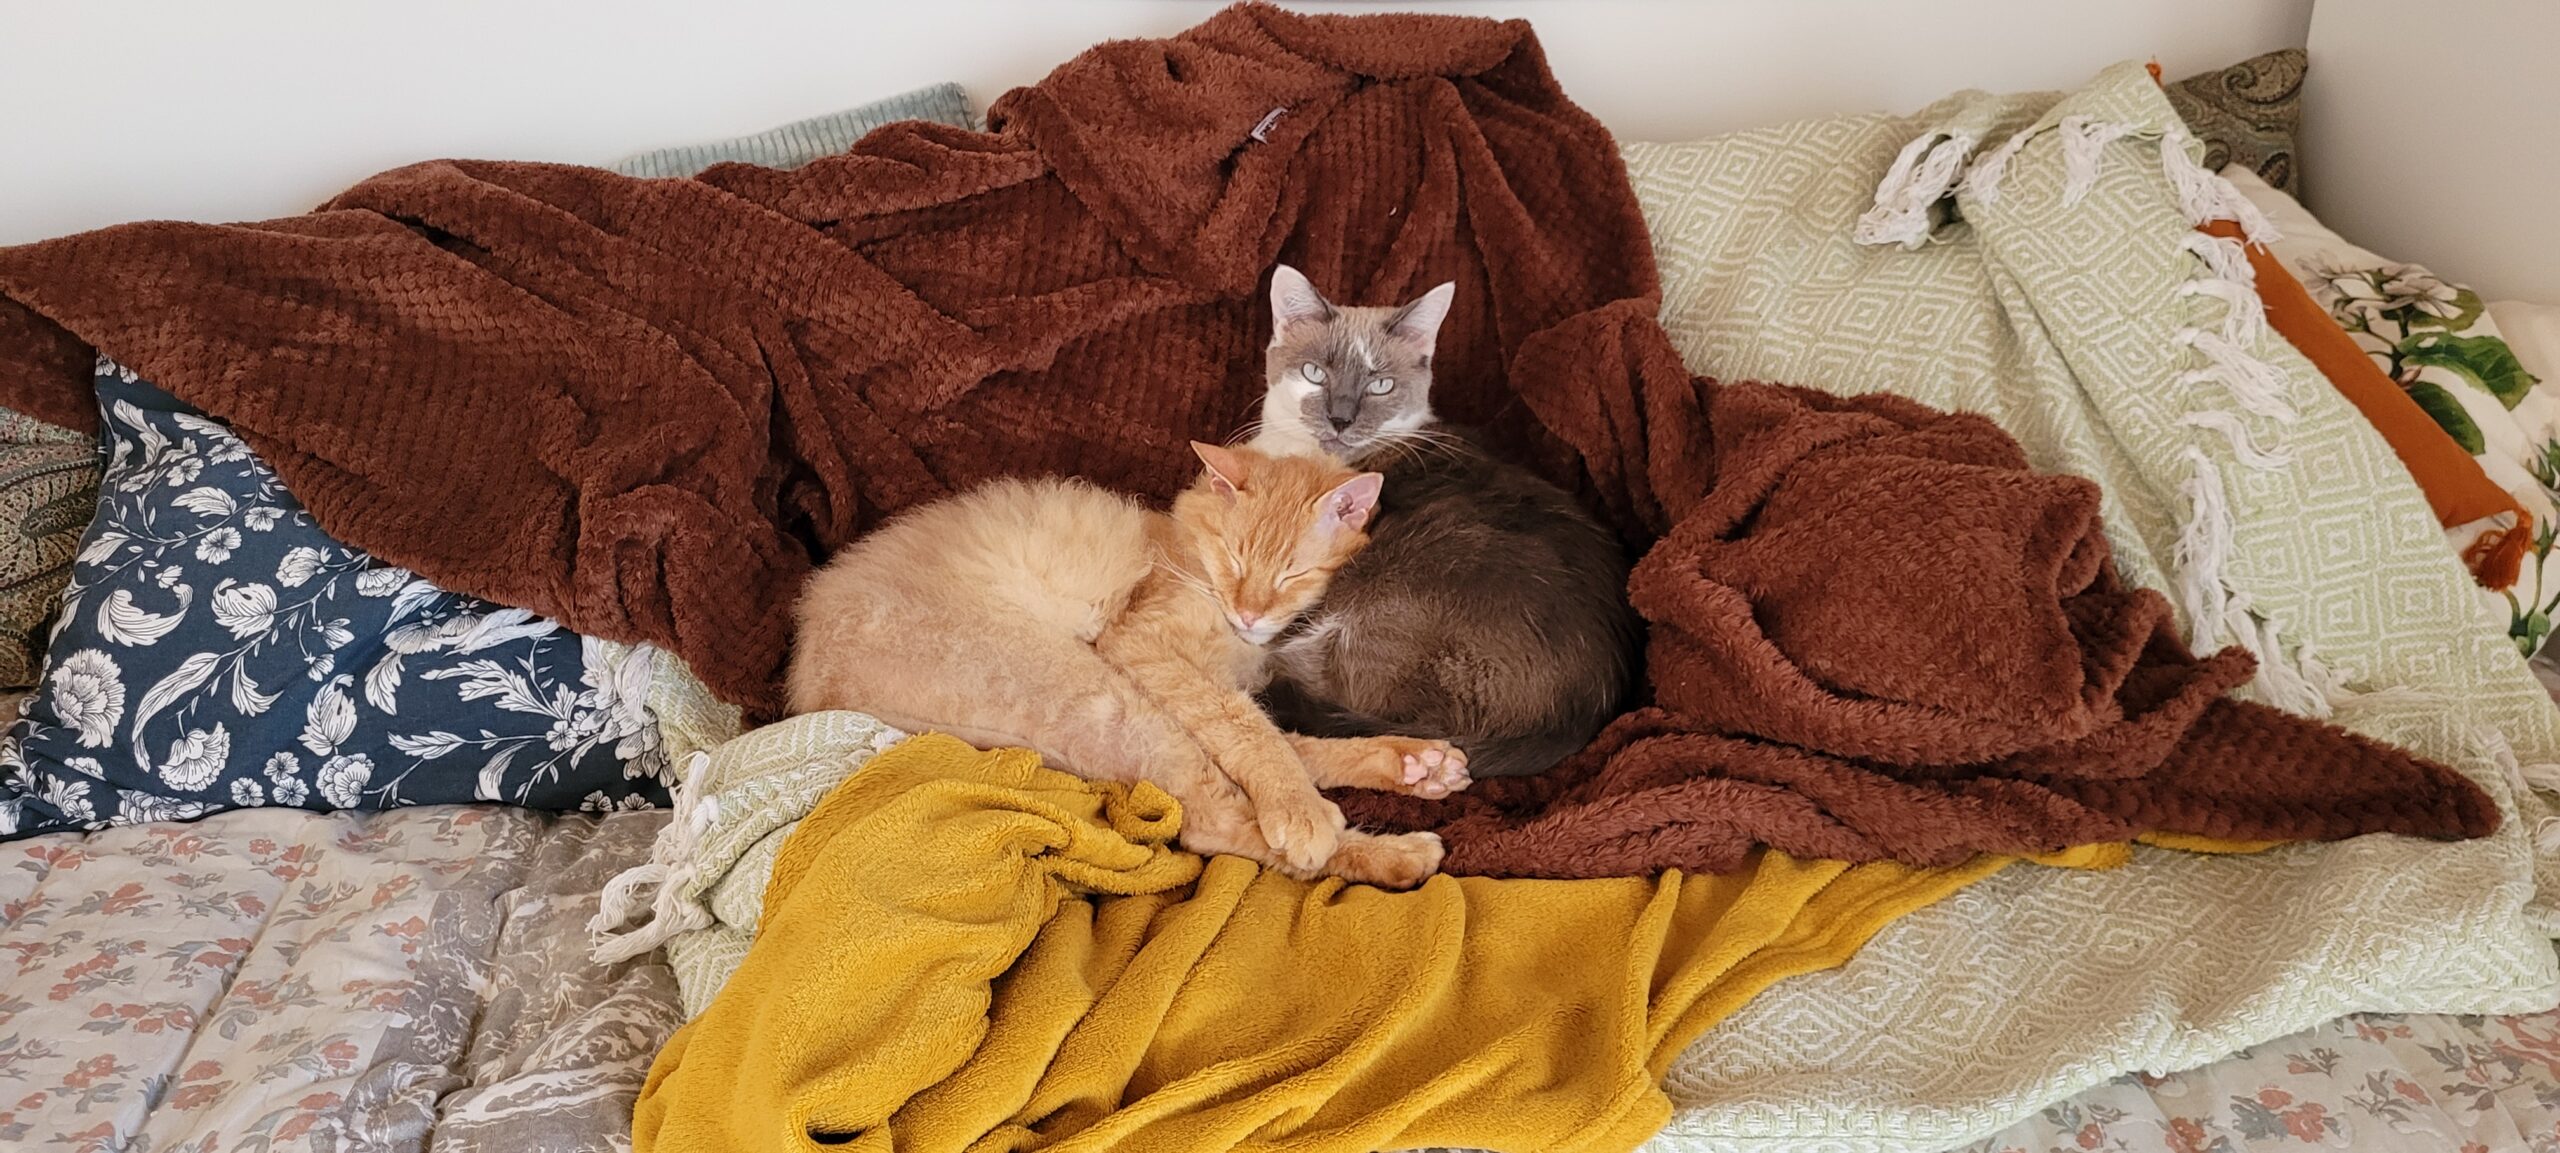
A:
x: 1380, y: 386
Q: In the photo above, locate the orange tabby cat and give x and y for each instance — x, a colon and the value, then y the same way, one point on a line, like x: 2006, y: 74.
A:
x: 1124, y: 644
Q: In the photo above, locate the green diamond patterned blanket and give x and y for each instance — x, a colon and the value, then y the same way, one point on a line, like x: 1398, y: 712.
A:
x: 2033, y: 259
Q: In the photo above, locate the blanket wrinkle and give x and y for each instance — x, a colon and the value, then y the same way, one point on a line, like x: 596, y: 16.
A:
x: 1878, y: 633
x: 639, y: 407
x: 1036, y: 965
x: 643, y: 407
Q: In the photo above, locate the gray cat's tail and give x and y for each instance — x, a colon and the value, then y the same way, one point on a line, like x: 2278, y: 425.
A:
x: 1521, y: 756
x: 1504, y: 756
x: 1294, y: 710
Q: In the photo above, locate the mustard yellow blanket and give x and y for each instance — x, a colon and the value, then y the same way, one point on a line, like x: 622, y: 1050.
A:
x: 932, y: 976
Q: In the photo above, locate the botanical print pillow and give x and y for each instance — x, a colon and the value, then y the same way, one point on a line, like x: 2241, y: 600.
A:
x: 2532, y: 332
x: 2437, y: 340
x: 2434, y: 338
x: 216, y: 650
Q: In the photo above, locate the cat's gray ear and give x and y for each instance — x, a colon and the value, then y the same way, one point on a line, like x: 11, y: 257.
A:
x: 1294, y: 300
x: 1418, y: 324
x: 1348, y: 506
x: 1226, y: 468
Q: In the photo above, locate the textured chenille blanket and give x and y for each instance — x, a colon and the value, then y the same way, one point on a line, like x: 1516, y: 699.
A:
x: 647, y: 407
x: 1878, y: 634
x: 644, y: 407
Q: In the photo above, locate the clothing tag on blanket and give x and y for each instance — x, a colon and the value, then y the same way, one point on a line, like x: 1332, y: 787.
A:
x: 1262, y: 129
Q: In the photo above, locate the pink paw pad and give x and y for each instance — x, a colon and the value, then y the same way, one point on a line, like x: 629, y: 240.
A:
x: 1436, y: 773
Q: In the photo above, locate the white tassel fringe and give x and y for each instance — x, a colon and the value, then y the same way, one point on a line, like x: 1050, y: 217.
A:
x: 1920, y: 177
x: 2251, y: 381
x: 2083, y: 140
x: 2222, y: 256
x: 2244, y: 316
x: 2539, y: 777
x: 1984, y: 181
x: 2301, y: 685
x: 2204, y: 543
x: 2236, y: 432
x: 672, y: 865
x: 2522, y: 778
x: 2204, y: 195
x: 2218, y: 615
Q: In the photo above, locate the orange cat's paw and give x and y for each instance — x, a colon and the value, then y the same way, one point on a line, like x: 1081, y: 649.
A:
x: 1304, y: 831
x: 1398, y: 862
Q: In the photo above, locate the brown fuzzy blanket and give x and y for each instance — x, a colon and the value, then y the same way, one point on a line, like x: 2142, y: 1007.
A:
x: 1877, y: 633
x: 643, y: 407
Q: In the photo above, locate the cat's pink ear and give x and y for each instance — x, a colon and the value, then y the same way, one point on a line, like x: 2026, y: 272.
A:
x: 1226, y: 468
x: 1417, y: 325
x: 1349, y: 504
x: 1294, y: 301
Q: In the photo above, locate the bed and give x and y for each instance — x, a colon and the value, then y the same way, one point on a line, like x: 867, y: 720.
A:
x: 420, y: 979
x: 425, y: 978
x: 275, y: 979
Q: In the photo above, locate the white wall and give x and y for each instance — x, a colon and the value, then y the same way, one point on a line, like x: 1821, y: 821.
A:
x: 114, y: 110
x: 2431, y: 134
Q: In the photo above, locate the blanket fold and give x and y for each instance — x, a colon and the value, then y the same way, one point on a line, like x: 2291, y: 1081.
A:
x: 931, y: 975
x: 643, y: 407
x: 1878, y: 633
x: 640, y: 407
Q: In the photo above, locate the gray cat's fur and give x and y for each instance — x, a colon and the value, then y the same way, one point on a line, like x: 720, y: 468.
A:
x: 1489, y: 610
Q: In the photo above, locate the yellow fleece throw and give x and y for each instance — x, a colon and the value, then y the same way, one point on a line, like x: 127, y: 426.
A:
x: 933, y: 974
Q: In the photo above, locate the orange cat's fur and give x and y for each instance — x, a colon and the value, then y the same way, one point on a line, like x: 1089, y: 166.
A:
x: 1125, y: 644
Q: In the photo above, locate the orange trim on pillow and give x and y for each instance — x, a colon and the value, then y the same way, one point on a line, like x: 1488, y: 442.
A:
x: 2456, y: 487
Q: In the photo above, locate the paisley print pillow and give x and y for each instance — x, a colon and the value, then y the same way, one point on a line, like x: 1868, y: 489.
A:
x: 2249, y: 114
x: 48, y: 490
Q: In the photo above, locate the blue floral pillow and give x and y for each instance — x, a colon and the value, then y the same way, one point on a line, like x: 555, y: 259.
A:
x: 217, y: 650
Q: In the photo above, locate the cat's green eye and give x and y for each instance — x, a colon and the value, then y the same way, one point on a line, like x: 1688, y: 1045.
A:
x: 1312, y: 371
x: 1382, y: 386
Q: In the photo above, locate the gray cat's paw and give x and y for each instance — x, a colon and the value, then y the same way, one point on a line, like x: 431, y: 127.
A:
x: 1435, y: 770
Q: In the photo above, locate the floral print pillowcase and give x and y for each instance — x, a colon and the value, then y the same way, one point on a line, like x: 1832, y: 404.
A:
x: 2438, y: 341
x: 217, y: 650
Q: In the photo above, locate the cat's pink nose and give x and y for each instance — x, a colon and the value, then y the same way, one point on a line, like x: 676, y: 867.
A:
x: 1248, y: 620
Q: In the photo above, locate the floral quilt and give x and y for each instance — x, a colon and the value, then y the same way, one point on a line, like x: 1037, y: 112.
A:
x: 2374, y: 1082
x: 279, y: 979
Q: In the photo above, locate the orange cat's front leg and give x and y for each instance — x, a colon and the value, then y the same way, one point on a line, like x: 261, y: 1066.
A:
x: 1295, y: 819
x: 1217, y: 818
x: 1401, y: 861
x: 1410, y: 765
x: 1299, y: 827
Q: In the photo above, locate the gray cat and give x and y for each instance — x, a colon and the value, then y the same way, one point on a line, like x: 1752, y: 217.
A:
x: 1489, y: 610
